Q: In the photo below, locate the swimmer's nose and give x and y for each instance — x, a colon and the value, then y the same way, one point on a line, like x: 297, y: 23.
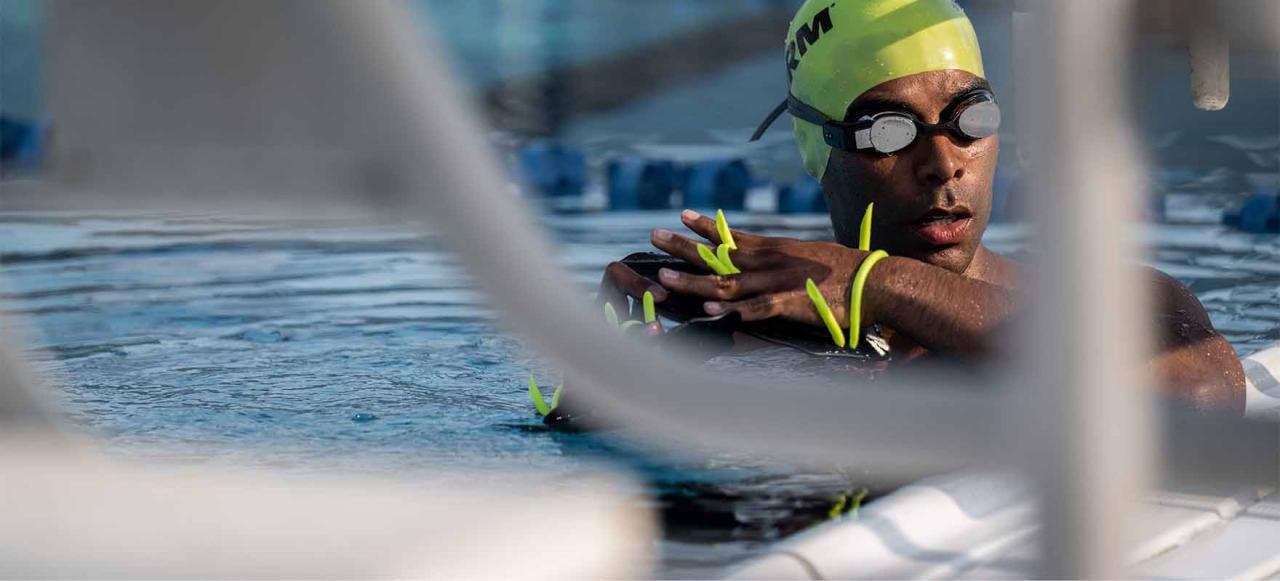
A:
x: 938, y: 160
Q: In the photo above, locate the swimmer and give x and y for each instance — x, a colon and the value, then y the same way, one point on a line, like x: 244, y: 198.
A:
x: 890, y: 107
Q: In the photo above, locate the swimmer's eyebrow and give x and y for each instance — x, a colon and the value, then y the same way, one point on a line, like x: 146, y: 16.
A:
x: 870, y: 105
x: 971, y: 86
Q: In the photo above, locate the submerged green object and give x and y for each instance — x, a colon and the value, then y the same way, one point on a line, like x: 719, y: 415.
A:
x: 824, y: 311
x: 722, y: 254
x: 712, y: 262
x: 849, y: 500
x: 722, y: 228
x: 629, y: 324
x: 555, y: 397
x: 650, y: 312
x: 539, y: 402
x: 864, y: 229
x: 610, y: 315
x: 536, y: 396
x: 837, y: 510
x: 857, y: 502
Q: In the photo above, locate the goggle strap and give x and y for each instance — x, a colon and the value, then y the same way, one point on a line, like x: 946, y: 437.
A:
x: 832, y: 132
x: 834, y: 135
x: 805, y: 112
x: 768, y: 121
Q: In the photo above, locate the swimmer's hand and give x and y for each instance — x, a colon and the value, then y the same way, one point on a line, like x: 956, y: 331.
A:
x: 620, y: 281
x: 774, y: 271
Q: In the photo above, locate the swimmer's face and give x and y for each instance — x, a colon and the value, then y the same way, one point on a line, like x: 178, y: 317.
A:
x: 933, y: 199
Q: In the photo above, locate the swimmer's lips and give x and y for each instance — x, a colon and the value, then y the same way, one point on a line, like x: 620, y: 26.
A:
x: 943, y: 228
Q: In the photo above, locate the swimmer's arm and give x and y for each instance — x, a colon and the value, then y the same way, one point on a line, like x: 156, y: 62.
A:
x: 942, y: 311
x: 948, y: 313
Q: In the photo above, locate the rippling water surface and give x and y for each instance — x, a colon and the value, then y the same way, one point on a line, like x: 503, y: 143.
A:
x: 310, y: 346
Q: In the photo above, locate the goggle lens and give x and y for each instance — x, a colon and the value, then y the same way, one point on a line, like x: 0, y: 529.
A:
x: 980, y: 120
x: 892, y: 133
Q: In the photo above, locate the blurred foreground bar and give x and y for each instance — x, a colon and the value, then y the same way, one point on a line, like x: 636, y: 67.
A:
x: 69, y: 515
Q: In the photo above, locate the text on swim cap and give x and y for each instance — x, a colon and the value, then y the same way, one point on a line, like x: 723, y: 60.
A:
x: 808, y: 35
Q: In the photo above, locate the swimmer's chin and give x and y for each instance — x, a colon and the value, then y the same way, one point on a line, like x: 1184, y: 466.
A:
x: 955, y: 258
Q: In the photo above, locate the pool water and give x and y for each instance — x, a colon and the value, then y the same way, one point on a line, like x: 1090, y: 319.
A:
x: 319, y: 346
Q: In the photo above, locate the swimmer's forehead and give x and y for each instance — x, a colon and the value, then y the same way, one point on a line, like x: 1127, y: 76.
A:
x: 923, y: 94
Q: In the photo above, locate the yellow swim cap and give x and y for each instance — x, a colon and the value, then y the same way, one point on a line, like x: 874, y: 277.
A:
x: 838, y: 49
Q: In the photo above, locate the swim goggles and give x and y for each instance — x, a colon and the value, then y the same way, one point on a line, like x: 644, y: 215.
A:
x: 974, y: 117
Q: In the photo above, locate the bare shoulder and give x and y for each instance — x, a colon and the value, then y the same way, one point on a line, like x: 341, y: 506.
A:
x: 1174, y: 300
x: 1193, y: 361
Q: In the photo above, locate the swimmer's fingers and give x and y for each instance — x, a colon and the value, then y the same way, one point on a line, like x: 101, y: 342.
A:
x: 686, y: 248
x: 678, y: 246
x: 729, y: 288
x: 630, y: 282
x: 793, y: 305
x: 620, y: 281
x: 705, y: 227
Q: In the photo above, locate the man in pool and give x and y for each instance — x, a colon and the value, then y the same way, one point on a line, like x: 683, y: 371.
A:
x: 890, y: 107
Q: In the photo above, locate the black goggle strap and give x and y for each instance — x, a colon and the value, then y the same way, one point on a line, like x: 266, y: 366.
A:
x: 832, y: 131
x: 768, y: 121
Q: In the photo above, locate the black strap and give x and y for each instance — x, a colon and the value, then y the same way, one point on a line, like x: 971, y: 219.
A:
x: 798, y: 109
x: 805, y: 112
x: 773, y: 116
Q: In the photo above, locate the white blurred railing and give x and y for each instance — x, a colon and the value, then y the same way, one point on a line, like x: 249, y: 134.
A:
x: 1084, y: 405
x: 357, y: 109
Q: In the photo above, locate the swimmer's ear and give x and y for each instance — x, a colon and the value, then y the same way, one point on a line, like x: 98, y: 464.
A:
x: 535, y: 395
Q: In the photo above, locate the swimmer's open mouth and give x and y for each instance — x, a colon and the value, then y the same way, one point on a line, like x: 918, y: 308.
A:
x: 943, y: 219
x: 940, y: 227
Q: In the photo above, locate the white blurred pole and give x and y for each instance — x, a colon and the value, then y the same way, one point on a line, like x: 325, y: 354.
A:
x: 1084, y: 414
x: 69, y: 515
